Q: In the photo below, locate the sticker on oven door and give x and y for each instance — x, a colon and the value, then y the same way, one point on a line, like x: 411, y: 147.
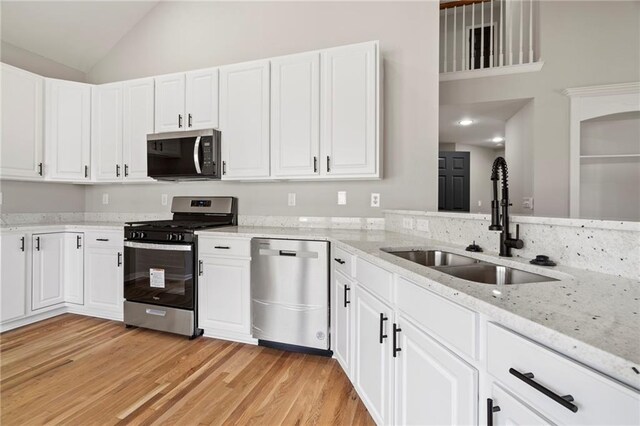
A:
x: 156, y: 277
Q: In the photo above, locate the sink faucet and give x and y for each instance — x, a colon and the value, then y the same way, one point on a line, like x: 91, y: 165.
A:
x: 506, y: 242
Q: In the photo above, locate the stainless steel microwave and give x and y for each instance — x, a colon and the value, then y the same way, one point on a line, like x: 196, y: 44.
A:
x: 190, y: 155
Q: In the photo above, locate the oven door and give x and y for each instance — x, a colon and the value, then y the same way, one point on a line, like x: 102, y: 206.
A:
x: 159, y: 274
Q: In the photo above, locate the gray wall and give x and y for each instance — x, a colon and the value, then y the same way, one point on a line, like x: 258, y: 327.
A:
x: 519, y: 152
x: 179, y: 36
x: 18, y: 57
x: 583, y: 44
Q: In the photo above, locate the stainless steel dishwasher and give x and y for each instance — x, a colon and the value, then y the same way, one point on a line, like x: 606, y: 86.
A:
x: 290, y: 294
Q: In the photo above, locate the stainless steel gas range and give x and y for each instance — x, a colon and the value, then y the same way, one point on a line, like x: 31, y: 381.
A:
x: 160, y: 257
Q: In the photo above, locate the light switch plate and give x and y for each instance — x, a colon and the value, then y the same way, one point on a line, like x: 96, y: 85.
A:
x: 105, y: 198
x: 342, y: 198
x: 375, y: 199
x: 164, y: 199
x: 527, y: 203
x: 291, y: 199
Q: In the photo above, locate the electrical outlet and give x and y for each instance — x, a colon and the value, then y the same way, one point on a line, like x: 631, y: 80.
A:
x: 0, y: 198
x: 422, y: 225
x: 105, y: 198
x: 479, y: 203
x: 527, y: 203
x: 291, y: 200
x: 342, y: 198
x: 164, y: 199
x: 407, y: 223
x: 375, y: 199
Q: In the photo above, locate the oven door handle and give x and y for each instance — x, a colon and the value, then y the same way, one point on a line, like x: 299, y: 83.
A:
x: 166, y: 247
x: 196, y: 155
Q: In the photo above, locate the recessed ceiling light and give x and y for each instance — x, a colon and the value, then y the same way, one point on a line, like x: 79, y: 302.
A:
x: 497, y: 139
x: 465, y: 122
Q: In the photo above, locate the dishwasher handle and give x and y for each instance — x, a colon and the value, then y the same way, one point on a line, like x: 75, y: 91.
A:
x: 288, y: 253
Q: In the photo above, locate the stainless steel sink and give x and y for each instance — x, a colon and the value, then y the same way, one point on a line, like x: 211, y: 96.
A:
x: 432, y: 257
x: 489, y: 273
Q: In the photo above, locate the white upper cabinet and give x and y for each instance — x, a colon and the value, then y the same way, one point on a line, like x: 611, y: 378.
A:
x: 170, y: 103
x: 202, y: 99
x: 67, y: 130
x: 137, y: 124
x: 295, y: 115
x: 106, y: 132
x: 21, y: 143
x: 244, y: 120
x: 350, y: 103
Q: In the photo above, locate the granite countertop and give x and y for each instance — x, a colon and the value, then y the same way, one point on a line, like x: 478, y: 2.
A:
x: 594, y: 318
x: 58, y: 224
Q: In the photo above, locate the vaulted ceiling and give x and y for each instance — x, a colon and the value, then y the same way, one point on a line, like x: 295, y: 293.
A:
x: 74, y: 33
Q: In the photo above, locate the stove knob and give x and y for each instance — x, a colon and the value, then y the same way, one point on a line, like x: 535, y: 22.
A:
x: 180, y: 237
x: 142, y: 235
x: 169, y: 237
x: 134, y: 234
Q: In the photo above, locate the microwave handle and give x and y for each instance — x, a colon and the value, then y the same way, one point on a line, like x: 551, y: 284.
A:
x: 196, y: 155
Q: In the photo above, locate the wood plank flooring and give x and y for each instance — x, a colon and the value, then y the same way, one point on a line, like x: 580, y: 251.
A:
x: 78, y: 370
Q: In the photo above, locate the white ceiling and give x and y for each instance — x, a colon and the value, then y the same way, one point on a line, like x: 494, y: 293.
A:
x: 489, y: 119
x: 74, y: 33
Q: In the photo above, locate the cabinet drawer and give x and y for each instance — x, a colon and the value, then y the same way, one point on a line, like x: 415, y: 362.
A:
x: 104, y: 238
x: 375, y: 279
x: 598, y: 399
x: 343, y: 261
x: 450, y: 322
x: 234, y: 247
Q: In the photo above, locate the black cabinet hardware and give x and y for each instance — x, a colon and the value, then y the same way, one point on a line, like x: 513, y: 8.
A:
x: 126, y: 170
x: 382, y: 320
x: 78, y: 241
x: 40, y: 169
x: 200, y: 268
x: 102, y: 239
x: 315, y: 164
x: 328, y: 164
x: 86, y: 171
x: 22, y: 244
x: 180, y: 121
x: 189, y: 120
x: 38, y: 243
x: 222, y: 247
x: 346, y: 295
x: 119, y: 259
x: 340, y: 261
x: 490, y: 410
x: 224, y: 167
x: 161, y: 146
x: 117, y: 170
x: 565, y: 401
x: 396, y: 331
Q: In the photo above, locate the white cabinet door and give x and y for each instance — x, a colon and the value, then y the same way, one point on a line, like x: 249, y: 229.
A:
x: 341, y: 330
x: 202, y: 99
x: 47, y: 278
x: 170, y: 103
x: 104, y: 277
x: 295, y: 115
x: 244, y: 120
x: 67, y: 130
x: 21, y: 143
x: 137, y: 124
x: 106, y: 132
x: 13, y: 276
x: 506, y: 410
x: 350, y: 110
x: 432, y: 385
x: 372, y: 362
x: 224, y: 295
x: 73, y: 267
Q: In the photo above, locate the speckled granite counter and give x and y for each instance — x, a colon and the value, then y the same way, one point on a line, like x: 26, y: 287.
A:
x: 46, y: 226
x: 591, y: 317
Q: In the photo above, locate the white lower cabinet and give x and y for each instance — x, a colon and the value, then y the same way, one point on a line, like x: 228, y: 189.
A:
x: 13, y: 276
x: 433, y: 386
x: 503, y: 409
x: 342, y: 322
x: 73, y: 268
x: 103, y: 274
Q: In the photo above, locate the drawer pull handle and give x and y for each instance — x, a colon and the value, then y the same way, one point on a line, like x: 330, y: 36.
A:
x: 396, y: 349
x: 490, y: 410
x: 382, y: 320
x: 156, y: 312
x: 102, y: 239
x: 340, y: 261
x: 565, y: 401
x: 346, y: 295
x: 222, y: 247
x: 119, y: 259
x: 200, y: 268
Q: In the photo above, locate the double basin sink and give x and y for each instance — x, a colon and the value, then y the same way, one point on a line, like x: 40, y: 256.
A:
x: 468, y: 268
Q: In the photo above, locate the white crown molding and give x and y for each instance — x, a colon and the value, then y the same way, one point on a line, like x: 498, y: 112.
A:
x: 604, y: 90
x: 491, y: 72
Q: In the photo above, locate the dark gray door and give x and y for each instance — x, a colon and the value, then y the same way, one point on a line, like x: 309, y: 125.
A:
x: 453, y: 181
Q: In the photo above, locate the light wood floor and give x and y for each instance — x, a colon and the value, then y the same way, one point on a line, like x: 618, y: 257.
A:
x: 78, y: 370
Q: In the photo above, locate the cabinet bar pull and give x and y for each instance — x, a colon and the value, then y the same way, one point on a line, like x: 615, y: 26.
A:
x: 117, y: 170
x: 102, y: 239
x: 126, y: 170
x: 315, y: 164
x: 224, y: 167
x: 565, y: 401
x: 78, y: 240
x: 396, y: 349
x: 346, y: 295
x: 328, y: 164
x: 490, y: 410
x: 38, y: 243
x: 340, y: 261
x: 200, y: 268
x: 222, y: 247
x: 40, y: 169
x: 189, y: 123
x: 22, y: 244
x: 382, y: 320
x: 86, y: 171
x: 180, y: 121
x: 119, y: 259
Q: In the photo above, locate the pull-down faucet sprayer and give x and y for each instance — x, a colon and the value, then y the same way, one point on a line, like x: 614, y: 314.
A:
x: 506, y: 242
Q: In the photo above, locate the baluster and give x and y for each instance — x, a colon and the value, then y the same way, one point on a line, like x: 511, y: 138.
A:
x: 446, y: 45
x: 501, y: 62
x: 455, y: 30
x: 482, y: 52
x: 491, y: 37
x: 510, y: 18
x: 464, y: 42
x: 473, y: 37
x: 521, y: 26
x: 530, y: 31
